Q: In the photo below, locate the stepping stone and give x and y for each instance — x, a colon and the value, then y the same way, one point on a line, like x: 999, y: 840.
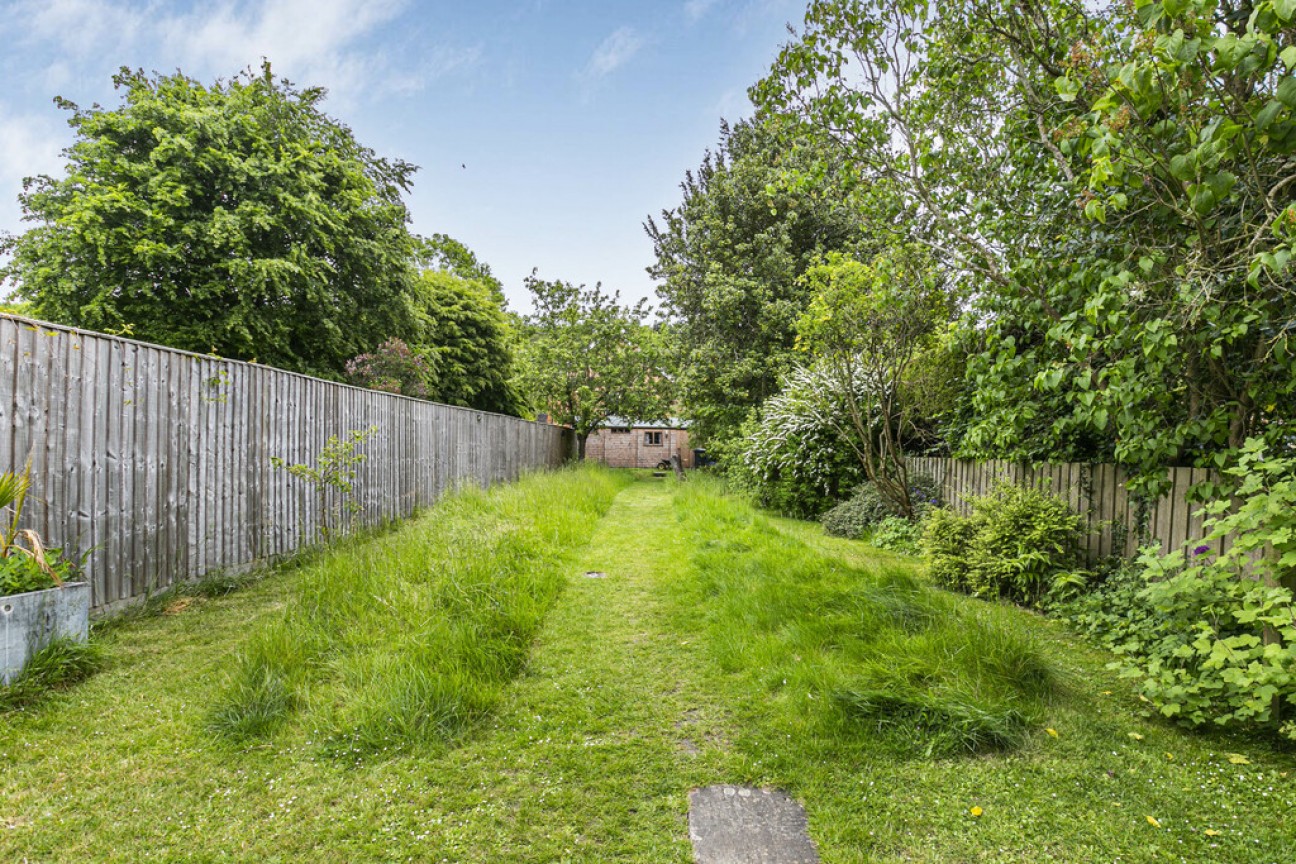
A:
x: 738, y: 825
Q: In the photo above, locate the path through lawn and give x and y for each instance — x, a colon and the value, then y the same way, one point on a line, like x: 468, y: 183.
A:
x: 591, y: 759
x: 592, y: 755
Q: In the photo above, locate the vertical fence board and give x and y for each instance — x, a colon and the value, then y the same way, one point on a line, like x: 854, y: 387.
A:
x: 155, y: 464
x: 1117, y: 523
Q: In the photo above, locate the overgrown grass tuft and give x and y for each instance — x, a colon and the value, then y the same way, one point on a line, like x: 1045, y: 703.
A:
x: 59, y: 664
x: 409, y: 639
x: 871, y: 654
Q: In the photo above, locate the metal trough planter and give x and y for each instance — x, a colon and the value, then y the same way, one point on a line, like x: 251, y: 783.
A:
x: 29, y: 622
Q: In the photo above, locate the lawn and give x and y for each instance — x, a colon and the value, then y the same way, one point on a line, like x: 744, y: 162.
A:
x: 720, y: 646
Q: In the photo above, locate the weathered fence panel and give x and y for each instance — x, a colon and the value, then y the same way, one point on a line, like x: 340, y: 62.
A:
x: 155, y: 463
x: 1117, y: 522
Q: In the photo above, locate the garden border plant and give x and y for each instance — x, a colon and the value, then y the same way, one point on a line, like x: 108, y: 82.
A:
x: 50, y: 611
x: 1208, y: 631
x: 1017, y: 544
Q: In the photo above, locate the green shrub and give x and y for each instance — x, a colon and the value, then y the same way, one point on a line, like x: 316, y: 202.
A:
x: 1016, y: 544
x: 897, y: 534
x: 854, y: 517
x: 1113, y: 611
x: 1206, y: 645
x: 1024, y: 539
x: 867, y: 508
x: 945, y: 540
x: 1211, y: 636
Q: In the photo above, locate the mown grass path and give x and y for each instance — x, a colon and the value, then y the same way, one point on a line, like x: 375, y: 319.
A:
x: 590, y: 757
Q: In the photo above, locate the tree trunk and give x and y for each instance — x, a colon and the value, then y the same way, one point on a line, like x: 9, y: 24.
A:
x: 581, y: 438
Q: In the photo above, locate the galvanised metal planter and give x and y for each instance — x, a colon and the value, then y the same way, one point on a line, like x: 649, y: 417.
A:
x: 30, y: 621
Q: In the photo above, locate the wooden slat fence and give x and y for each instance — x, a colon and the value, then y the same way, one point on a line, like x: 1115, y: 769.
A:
x: 156, y: 462
x: 1118, y: 523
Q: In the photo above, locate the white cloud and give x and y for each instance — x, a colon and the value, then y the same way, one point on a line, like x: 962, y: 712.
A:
x: 308, y: 40
x: 613, y: 52
x: 80, y: 28
x: 312, y: 42
x: 695, y: 10
x: 29, y: 145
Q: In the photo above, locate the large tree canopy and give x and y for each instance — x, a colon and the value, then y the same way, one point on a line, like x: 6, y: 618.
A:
x: 1113, y: 185
x: 468, y: 340
x: 236, y: 218
x: 729, y: 258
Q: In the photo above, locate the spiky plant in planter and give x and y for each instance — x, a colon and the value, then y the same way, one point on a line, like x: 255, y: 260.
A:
x: 25, y: 563
x: 44, y: 616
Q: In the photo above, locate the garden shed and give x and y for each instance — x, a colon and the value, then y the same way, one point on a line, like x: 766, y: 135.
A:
x: 623, y: 443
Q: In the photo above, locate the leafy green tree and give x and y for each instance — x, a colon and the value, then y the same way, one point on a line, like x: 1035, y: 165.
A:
x: 869, y: 324
x: 586, y: 358
x: 729, y: 258
x: 1111, y: 185
x: 468, y: 339
x: 1182, y: 136
x: 444, y: 253
x: 235, y: 218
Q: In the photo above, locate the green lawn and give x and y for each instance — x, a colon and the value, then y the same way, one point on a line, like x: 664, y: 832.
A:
x: 718, y: 648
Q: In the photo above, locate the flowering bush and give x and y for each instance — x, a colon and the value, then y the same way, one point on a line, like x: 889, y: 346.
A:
x: 393, y: 368
x: 793, y: 458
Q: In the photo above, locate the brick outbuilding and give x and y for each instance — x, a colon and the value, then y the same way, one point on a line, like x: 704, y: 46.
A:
x: 626, y: 444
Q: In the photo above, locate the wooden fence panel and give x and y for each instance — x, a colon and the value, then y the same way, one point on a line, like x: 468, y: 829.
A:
x: 155, y: 463
x: 1116, y: 522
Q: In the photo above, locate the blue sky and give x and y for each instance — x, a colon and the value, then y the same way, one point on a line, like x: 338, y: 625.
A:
x: 546, y: 131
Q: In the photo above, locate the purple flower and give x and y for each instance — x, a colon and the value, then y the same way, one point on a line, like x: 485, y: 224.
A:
x: 1201, y: 550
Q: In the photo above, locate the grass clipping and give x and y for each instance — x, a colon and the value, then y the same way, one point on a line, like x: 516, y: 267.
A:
x: 409, y: 639
x: 863, y: 653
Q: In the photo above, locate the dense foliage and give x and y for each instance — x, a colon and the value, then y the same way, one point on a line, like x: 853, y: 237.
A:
x: 1207, y: 630
x: 1015, y: 545
x: 235, y: 218
x: 729, y: 261
x: 1111, y: 185
x: 870, y: 325
x: 867, y: 508
x: 467, y: 339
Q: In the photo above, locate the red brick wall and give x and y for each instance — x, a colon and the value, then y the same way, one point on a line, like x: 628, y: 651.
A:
x: 628, y: 450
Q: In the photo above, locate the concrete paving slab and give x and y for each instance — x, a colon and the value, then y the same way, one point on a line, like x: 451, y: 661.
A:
x: 740, y: 825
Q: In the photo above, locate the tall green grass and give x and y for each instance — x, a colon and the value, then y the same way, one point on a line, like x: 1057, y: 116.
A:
x: 60, y: 664
x: 410, y: 638
x: 865, y: 653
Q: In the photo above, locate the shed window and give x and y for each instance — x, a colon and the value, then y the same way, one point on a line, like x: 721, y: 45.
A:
x: 620, y: 430
x: 652, y: 439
